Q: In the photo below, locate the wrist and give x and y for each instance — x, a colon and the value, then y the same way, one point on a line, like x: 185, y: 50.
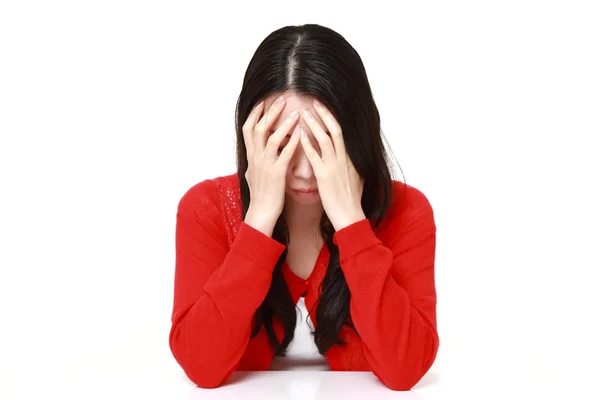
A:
x: 262, y: 221
x: 347, y: 220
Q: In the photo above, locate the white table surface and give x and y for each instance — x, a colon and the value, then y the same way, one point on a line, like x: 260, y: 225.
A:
x: 303, y: 385
x: 148, y: 381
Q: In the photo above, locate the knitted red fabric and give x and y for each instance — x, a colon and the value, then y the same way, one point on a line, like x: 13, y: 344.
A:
x: 223, y: 272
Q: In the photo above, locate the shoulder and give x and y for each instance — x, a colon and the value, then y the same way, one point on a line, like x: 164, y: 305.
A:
x: 408, y: 200
x: 205, y: 197
x: 408, y: 205
x: 213, y: 205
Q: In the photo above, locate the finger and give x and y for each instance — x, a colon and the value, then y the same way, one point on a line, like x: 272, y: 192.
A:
x: 249, y: 124
x: 290, y: 148
x: 332, y: 126
x: 324, y: 140
x: 263, y: 126
x: 276, y: 138
x: 311, y: 153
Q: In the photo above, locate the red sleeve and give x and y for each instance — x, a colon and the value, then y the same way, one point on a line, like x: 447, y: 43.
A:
x: 217, y: 289
x: 393, y: 296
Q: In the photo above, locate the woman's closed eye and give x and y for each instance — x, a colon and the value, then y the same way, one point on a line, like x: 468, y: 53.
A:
x: 279, y: 150
x: 286, y: 140
x: 282, y: 146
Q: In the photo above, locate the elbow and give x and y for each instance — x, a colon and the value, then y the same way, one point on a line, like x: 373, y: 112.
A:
x: 202, y: 371
x: 205, y: 379
x: 404, y: 381
x: 202, y: 374
x: 401, y: 383
x: 406, y: 378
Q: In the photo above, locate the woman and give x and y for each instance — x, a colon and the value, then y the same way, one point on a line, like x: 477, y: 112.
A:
x: 311, y: 221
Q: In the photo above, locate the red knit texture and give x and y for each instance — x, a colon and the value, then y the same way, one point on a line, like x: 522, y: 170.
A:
x: 224, y: 269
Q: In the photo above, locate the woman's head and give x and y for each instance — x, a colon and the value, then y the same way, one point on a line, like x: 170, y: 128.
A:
x: 303, y: 63
x: 307, y: 62
x: 300, y: 175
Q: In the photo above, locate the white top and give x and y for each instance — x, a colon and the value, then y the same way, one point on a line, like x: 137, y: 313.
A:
x: 302, y: 353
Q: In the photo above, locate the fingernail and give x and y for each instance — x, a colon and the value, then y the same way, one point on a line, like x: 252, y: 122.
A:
x: 279, y: 100
x: 307, y: 115
x: 294, y: 114
x: 317, y: 103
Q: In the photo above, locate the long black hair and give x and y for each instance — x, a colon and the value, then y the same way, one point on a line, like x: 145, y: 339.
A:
x: 315, y: 61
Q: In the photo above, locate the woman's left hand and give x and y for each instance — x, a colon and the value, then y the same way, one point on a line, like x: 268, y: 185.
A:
x: 340, y: 186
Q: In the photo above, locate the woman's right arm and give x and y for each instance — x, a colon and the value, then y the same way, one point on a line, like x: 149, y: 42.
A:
x: 217, y: 289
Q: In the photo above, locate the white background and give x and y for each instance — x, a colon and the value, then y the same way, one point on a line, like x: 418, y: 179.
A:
x: 110, y: 111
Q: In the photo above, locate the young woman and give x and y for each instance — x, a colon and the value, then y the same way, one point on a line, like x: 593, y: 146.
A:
x: 311, y: 256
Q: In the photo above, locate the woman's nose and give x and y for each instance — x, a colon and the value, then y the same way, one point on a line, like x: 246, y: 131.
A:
x: 301, y: 167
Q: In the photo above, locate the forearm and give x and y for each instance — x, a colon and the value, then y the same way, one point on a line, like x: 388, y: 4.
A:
x: 209, y: 335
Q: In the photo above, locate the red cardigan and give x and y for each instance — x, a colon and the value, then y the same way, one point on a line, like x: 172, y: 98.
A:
x: 224, y: 268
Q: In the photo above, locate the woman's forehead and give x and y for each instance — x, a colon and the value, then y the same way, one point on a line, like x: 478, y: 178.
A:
x: 294, y: 102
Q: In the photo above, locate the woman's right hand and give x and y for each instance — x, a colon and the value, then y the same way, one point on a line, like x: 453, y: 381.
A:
x: 267, y: 169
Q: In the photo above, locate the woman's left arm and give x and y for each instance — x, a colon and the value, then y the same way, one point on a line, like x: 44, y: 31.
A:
x: 393, y: 295
x: 393, y: 299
